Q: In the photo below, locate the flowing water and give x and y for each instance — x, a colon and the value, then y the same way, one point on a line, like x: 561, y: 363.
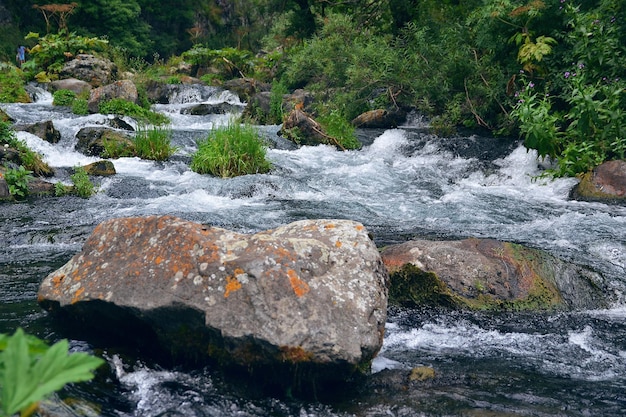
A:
x: 403, y: 184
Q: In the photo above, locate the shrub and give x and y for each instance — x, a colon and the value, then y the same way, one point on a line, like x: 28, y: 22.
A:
x: 231, y: 151
x: 154, y: 144
x: 80, y: 107
x: 127, y: 108
x: 17, y: 179
x: 12, y: 85
x: 30, y: 370
x: 63, y: 97
x: 83, y: 187
x: 339, y: 128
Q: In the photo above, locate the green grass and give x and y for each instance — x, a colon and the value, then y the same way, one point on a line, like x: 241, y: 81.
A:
x: 154, y: 144
x: 126, y: 108
x: 63, y: 97
x: 339, y: 128
x: 231, y: 151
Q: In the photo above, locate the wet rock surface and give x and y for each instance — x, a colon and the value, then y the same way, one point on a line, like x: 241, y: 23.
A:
x: 309, y: 297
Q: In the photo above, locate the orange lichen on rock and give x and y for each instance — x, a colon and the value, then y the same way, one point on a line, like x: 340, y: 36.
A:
x: 77, y: 295
x: 359, y: 227
x: 338, y: 244
x: 299, y: 287
x: 232, y: 285
x: 58, y: 279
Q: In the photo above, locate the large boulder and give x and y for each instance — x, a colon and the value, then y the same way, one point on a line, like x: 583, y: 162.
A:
x: 305, y: 299
x: 96, y: 71
x: 606, y: 183
x: 488, y: 274
x: 124, y: 89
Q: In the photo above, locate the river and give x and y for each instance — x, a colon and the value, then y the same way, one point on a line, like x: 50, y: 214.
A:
x: 404, y: 183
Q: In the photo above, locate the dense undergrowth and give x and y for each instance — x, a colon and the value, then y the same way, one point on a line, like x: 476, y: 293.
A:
x: 550, y: 71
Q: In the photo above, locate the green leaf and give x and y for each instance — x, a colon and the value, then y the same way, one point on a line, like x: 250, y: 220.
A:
x: 27, y: 375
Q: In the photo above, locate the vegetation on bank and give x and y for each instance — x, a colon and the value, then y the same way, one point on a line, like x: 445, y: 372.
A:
x: 551, y: 71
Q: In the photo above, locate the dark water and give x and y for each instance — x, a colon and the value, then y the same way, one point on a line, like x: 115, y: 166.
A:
x: 402, y: 184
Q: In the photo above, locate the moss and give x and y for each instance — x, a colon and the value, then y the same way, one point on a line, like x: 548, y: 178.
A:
x: 586, y: 190
x: 413, y: 287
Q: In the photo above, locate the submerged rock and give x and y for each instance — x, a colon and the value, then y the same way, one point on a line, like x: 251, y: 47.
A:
x: 487, y: 274
x: 308, y: 298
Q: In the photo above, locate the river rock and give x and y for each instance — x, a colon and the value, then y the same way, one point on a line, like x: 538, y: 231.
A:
x: 4, y: 117
x: 204, y: 109
x: 123, y: 89
x: 103, y: 168
x: 488, y: 274
x: 96, y: 71
x: 379, y: 118
x: 606, y: 183
x: 245, y: 88
x: 308, y: 298
x: 44, y: 130
x: 72, y: 84
x: 91, y: 141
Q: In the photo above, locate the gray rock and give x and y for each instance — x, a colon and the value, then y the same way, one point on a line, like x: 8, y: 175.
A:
x: 124, y: 89
x: 93, y: 70
x: 307, y: 297
x: 72, y: 84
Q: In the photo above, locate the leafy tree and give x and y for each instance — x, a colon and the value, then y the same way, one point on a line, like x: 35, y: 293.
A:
x: 119, y: 20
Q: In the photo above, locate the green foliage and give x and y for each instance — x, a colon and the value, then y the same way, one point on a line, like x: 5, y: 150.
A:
x: 63, y: 98
x: 578, y: 116
x: 17, y: 179
x: 30, y: 371
x: 83, y: 187
x: 80, y: 107
x: 127, y: 108
x: 154, y: 144
x: 30, y: 160
x: 276, y: 103
x: 12, y: 85
x: 231, y: 151
x: 117, y: 149
x: 338, y: 127
x: 53, y: 49
x: 60, y: 189
x: 231, y: 62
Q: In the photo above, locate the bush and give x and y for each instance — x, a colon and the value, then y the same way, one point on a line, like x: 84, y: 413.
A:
x: 17, y: 179
x: 80, y: 107
x: 336, y: 126
x: 575, y: 113
x: 83, y: 187
x: 63, y: 98
x: 12, y: 85
x: 231, y: 151
x: 154, y: 144
x: 126, y: 108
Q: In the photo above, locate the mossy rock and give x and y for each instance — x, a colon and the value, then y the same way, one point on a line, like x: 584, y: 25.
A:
x: 486, y: 274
